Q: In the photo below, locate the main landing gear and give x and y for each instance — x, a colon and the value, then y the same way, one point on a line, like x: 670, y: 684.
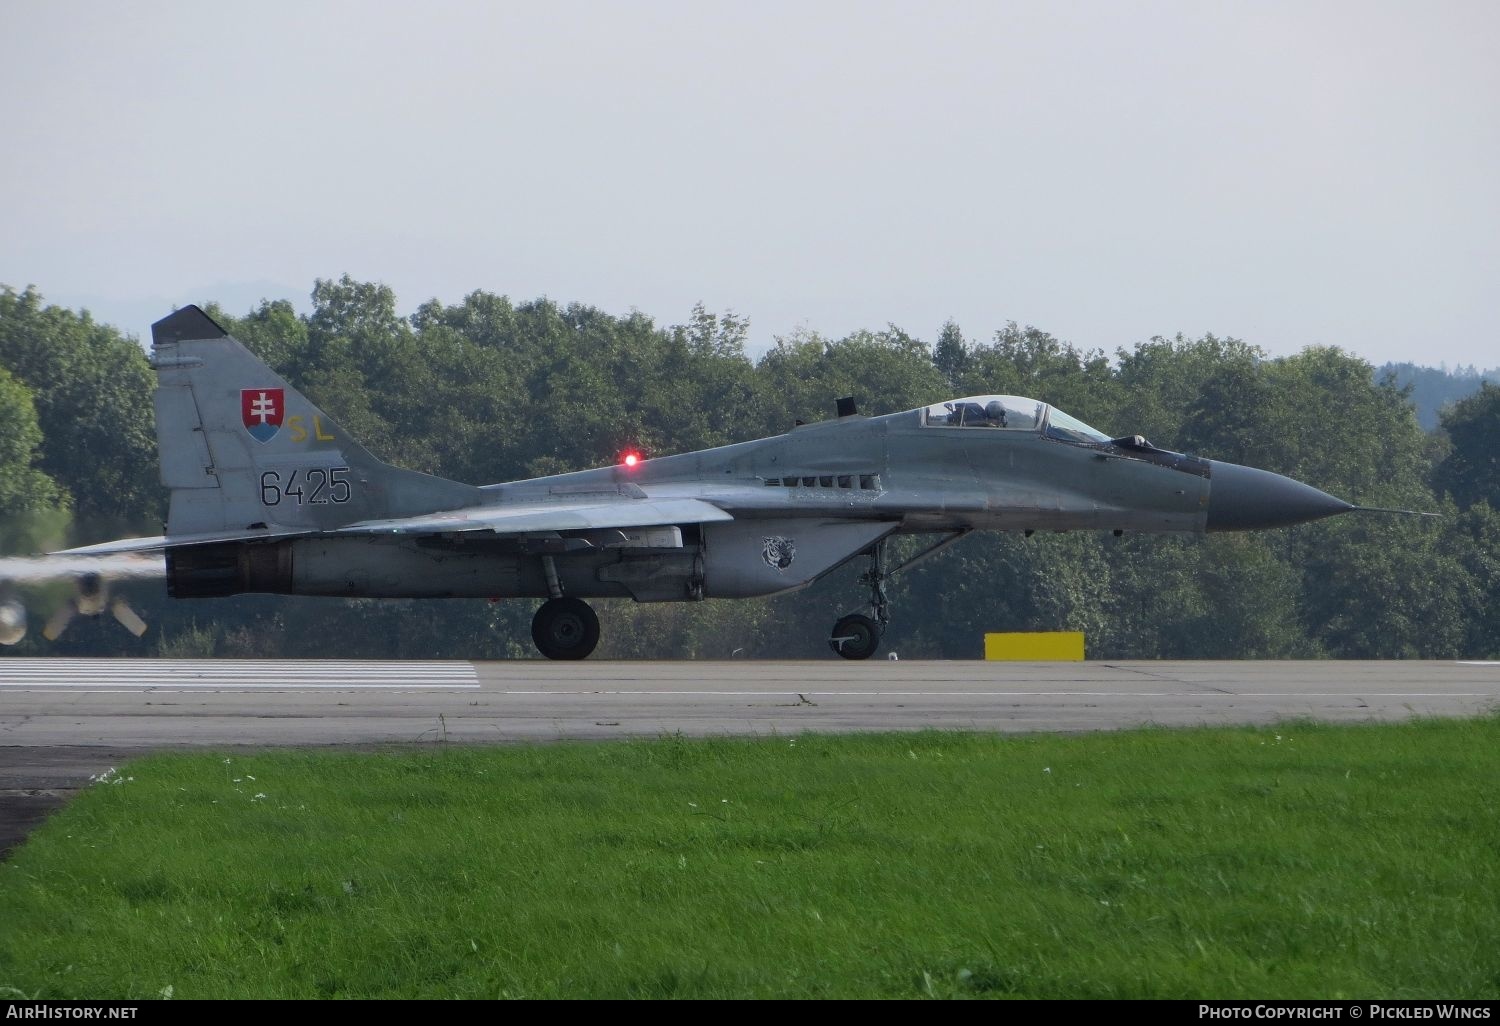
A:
x: 857, y: 636
x: 565, y: 628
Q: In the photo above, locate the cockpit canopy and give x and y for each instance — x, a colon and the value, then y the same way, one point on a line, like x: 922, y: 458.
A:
x: 1012, y: 413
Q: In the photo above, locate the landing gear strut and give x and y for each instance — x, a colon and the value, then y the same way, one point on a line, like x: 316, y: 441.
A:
x: 857, y: 636
x: 565, y: 628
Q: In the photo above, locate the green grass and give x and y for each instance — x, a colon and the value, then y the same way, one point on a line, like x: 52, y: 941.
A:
x: 1299, y: 861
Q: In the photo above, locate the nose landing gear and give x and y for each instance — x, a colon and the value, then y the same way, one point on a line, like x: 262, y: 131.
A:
x: 857, y: 636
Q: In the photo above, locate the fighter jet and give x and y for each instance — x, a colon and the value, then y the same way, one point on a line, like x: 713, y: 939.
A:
x: 270, y: 494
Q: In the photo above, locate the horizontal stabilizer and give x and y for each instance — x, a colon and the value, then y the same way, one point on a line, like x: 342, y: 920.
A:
x: 115, y: 564
x: 161, y: 543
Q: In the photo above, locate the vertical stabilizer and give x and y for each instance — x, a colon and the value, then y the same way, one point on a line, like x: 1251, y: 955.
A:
x: 243, y: 450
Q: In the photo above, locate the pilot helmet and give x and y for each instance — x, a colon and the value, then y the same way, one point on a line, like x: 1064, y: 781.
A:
x: 995, y: 410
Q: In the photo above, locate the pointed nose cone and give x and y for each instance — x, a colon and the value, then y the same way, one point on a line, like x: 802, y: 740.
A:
x: 1246, y: 499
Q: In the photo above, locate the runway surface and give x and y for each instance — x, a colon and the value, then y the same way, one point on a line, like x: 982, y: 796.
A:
x: 148, y: 703
x: 62, y: 719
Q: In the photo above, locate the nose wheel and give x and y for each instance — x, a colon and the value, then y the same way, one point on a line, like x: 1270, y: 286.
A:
x: 855, y: 636
x: 565, y: 628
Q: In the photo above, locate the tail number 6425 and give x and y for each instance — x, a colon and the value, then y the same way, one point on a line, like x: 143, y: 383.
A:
x: 313, y: 486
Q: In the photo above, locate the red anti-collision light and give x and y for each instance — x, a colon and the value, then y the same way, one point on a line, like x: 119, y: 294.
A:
x: 630, y: 459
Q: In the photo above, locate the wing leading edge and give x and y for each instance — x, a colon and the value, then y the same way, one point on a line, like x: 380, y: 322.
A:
x: 549, y: 516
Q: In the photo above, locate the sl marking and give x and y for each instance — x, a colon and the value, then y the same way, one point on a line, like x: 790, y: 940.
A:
x: 298, y: 427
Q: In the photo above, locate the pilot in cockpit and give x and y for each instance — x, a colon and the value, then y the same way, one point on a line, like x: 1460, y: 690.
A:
x: 992, y: 414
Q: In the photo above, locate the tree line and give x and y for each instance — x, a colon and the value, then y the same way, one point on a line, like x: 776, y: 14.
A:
x: 489, y: 390
x: 1435, y: 388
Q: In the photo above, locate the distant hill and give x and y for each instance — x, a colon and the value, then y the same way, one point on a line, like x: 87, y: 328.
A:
x: 1436, y: 387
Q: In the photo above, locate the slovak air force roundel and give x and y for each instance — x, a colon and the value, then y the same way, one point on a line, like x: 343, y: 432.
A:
x: 262, y: 410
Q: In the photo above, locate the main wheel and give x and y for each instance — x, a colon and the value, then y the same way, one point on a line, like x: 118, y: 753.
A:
x: 855, y: 637
x: 565, y: 628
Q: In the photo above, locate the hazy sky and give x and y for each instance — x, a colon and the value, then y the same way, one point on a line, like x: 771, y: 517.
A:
x: 1288, y: 173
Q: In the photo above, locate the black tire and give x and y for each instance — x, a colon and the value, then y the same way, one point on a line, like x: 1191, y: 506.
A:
x: 565, y: 628
x: 855, y: 637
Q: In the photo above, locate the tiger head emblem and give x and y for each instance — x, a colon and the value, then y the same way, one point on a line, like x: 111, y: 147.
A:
x: 779, y: 553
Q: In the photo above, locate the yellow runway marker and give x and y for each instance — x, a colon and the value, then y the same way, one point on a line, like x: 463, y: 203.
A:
x: 1035, y: 646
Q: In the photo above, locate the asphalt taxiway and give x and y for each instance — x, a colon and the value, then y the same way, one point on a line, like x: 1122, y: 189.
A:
x: 62, y: 719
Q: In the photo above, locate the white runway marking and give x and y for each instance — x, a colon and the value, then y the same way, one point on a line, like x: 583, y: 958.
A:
x: 201, y: 674
x: 812, y: 693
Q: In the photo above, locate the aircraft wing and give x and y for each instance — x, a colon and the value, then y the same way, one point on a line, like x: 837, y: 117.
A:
x: 519, y: 518
x: 549, y: 516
